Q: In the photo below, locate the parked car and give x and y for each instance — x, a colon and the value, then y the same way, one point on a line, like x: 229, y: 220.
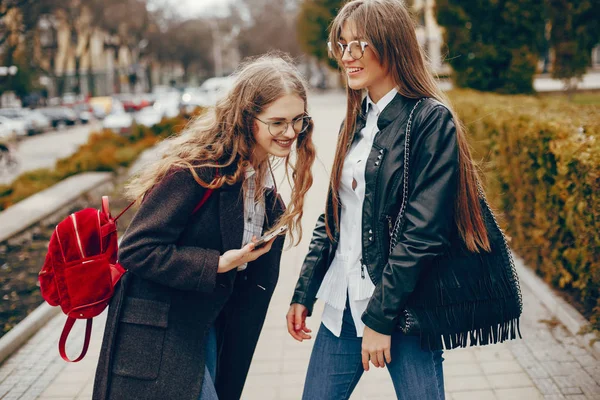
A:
x: 17, y: 127
x: 35, y: 122
x: 118, y: 120
x: 133, y: 103
x: 168, y: 104
x: 193, y: 98
x: 59, y: 116
x: 148, y: 116
x: 214, y: 88
x: 85, y: 112
x: 101, y: 106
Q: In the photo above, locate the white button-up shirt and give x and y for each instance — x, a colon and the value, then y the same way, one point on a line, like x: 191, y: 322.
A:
x: 344, y: 274
x: 254, y: 211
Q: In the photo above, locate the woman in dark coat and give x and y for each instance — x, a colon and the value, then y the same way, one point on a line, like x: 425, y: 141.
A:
x: 186, y: 317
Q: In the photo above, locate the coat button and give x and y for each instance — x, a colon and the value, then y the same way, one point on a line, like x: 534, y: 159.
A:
x: 370, y: 238
x: 380, y: 151
x: 379, y: 157
x: 370, y: 231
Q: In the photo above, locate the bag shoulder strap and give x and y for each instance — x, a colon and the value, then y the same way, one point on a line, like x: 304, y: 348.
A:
x: 400, y: 218
x: 65, y: 334
x: 203, y: 200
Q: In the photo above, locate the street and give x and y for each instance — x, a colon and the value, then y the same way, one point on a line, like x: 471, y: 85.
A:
x: 42, y: 151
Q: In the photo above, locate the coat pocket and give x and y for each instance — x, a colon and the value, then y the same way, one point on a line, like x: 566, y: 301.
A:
x: 140, y: 338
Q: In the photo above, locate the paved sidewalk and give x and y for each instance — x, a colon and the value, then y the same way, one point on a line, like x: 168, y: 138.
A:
x: 547, y: 364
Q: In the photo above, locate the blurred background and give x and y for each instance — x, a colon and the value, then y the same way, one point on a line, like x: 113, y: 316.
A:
x: 64, y: 52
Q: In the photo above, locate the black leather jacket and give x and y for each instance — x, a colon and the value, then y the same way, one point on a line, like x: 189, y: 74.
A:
x: 429, y: 225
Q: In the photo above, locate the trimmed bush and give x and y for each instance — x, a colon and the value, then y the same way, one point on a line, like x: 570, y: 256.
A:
x: 104, y: 151
x: 542, y: 166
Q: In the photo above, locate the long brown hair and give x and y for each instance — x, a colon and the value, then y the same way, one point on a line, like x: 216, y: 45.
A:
x: 390, y: 31
x: 223, y: 137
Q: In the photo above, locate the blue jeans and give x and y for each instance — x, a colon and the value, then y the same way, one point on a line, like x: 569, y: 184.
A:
x: 208, y: 391
x: 336, y: 366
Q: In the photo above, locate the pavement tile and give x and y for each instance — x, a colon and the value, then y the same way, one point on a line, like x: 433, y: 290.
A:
x: 556, y: 368
x: 455, y: 370
x: 465, y: 383
x: 264, y: 367
x: 63, y: 390
x: 495, y: 352
x: 500, y: 367
x: 459, y: 356
x: 587, y: 360
x: 530, y: 393
x: 571, y: 390
x: 506, y: 381
x: 474, y: 395
x: 547, y: 386
x: 260, y: 393
x: 537, y: 372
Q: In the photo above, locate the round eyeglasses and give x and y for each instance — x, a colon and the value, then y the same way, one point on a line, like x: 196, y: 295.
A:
x: 356, y: 49
x: 278, y: 128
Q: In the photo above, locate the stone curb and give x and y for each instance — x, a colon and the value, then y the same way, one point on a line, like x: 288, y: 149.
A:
x: 563, y: 311
x: 35, y: 208
x: 24, y: 330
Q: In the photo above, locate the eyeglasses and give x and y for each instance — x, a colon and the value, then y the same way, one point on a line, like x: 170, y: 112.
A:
x: 278, y: 128
x: 356, y: 49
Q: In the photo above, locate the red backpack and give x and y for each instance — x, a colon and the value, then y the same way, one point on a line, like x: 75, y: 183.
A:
x: 81, y: 269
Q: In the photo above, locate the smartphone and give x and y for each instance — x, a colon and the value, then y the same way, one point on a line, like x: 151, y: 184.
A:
x: 266, y: 238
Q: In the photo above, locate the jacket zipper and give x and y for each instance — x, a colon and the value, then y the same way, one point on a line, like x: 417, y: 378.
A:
x: 362, y: 269
x: 390, y: 226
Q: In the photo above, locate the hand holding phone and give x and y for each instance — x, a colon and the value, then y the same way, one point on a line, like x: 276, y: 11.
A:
x: 266, y: 238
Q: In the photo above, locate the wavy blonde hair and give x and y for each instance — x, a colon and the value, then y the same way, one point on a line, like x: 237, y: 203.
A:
x: 223, y: 138
x: 390, y: 31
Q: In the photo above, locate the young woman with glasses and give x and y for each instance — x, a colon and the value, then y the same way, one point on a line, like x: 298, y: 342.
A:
x: 186, y: 317
x: 368, y: 265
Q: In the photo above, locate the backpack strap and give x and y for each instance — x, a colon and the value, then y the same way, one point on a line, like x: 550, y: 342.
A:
x: 65, y: 334
x: 202, y: 201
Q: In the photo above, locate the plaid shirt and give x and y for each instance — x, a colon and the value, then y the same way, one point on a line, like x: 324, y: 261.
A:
x: 254, y: 211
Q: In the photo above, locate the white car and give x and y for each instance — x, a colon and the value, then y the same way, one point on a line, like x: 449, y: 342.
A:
x: 18, y: 127
x: 214, y: 88
x: 35, y: 121
x: 118, y: 120
x: 148, y: 116
x: 168, y: 104
x: 194, y: 97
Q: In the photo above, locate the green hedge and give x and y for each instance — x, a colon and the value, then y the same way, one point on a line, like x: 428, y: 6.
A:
x: 542, y: 165
x: 104, y: 151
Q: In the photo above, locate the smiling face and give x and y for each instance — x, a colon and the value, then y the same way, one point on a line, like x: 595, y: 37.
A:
x: 285, y: 109
x: 367, y: 73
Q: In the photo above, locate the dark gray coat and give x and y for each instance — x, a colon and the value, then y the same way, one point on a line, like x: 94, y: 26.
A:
x: 153, y: 346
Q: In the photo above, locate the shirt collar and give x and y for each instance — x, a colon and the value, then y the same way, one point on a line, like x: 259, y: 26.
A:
x: 268, y: 180
x: 382, y: 103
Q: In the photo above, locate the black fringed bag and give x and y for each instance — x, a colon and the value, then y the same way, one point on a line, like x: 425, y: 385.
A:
x: 464, y: 298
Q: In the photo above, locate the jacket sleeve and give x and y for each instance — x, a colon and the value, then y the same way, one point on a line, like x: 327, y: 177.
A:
x: 429, y: 217
x: 314, y: 267
x: 149, y: 248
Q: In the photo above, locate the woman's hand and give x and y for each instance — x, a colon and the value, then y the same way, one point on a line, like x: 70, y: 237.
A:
x: 296, y: 322
x: 375, y: 346
x: 234, y: 258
